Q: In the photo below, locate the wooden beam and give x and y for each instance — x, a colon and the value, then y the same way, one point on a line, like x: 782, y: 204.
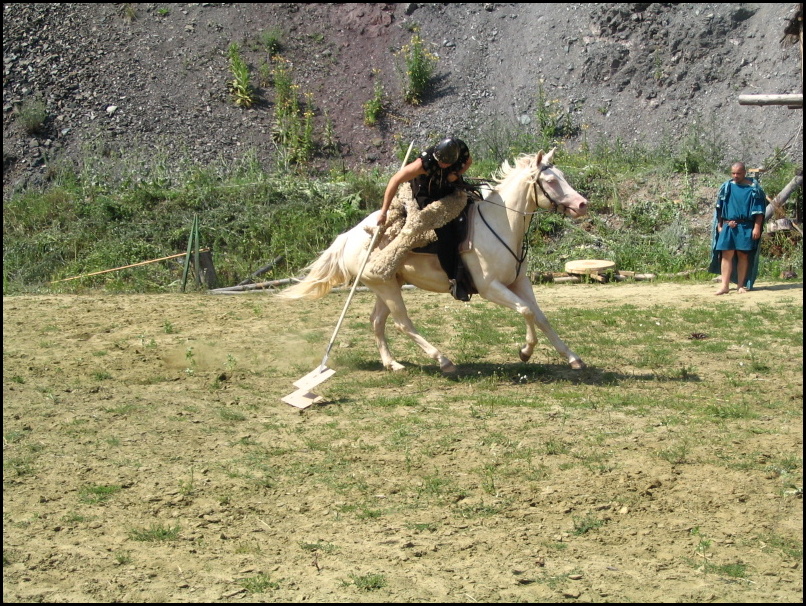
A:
x: 246, y: 287
x: 779, y: 200
x: 793, y: 100
x: 262, y: 271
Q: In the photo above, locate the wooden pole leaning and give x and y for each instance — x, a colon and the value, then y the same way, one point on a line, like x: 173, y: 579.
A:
x: 104, y: 271
x: 193, y: 244
x: 303, y: 397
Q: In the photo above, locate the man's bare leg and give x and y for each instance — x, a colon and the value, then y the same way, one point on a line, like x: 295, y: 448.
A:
x: 727, y: 268
x: 741, y: 270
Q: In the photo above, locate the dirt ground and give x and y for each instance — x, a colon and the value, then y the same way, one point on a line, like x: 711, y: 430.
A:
x: 148, y: 458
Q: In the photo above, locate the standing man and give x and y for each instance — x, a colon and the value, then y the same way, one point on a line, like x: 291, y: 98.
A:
x: 738, y: 221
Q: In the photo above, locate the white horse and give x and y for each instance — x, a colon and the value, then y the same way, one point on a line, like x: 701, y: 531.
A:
x: 495, y: 259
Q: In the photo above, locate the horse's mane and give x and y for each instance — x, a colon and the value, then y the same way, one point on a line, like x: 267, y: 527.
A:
x: 507, y: 171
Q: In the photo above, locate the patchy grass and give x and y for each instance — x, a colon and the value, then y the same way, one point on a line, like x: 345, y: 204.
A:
x: 404, y: 481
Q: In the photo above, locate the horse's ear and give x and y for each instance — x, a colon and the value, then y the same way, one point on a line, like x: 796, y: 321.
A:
x: 539, y: 158
x: 548, y: 160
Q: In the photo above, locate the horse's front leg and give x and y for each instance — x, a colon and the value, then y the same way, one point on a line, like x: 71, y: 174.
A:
x: 521, y: 297
x: 378, y: 320
x: 390, y: 300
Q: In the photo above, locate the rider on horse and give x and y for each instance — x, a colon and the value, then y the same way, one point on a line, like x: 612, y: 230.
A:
x: 436, y: 180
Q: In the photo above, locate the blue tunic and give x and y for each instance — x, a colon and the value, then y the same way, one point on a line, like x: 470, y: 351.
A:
x: 737, y: 203
x: 741, y: 203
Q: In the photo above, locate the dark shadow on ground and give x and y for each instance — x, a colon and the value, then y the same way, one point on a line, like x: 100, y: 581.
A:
x: 520, y: 373
x: 779, y: 287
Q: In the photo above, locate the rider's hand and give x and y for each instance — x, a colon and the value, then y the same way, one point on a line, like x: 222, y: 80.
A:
x: 382, y: 218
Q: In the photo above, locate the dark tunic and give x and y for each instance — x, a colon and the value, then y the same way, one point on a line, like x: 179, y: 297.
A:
x: 434, y: 184
x: 744, y: 213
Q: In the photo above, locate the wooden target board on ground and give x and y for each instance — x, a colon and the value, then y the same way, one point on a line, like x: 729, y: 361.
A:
x: 589, y: 267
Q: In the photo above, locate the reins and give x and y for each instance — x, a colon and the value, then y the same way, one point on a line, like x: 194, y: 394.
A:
x: 527, y: 218
x: 524, y: 244
x: 472, y: 187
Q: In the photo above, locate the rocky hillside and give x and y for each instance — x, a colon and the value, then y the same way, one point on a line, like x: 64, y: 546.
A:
x: 153, y: 78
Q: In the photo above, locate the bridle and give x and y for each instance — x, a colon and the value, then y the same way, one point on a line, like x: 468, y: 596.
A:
x: 555, y: 207
x: 527, y: 219
x: 536, y: 183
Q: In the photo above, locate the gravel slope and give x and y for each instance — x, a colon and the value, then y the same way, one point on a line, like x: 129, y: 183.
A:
x: 152, y: 78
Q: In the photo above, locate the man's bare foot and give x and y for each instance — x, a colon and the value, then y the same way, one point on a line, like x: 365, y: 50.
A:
x: 741, y: 290
x: 722, y: 291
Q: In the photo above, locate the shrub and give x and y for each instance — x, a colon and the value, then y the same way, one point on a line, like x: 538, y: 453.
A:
x: 554, y: 123
x: 293, y: 125
x: 240, y: 87
x: 272, y: 40
x: 32, y: 116
x: 419, y: 68
x: 374, y: 107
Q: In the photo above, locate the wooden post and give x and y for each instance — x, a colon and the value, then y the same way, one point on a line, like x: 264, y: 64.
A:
x: 791, y: 100
x: 206, y: 269
x: 778, y: 201
x: 187, y: 259
x: 196, y: 266
x: 193, y: 244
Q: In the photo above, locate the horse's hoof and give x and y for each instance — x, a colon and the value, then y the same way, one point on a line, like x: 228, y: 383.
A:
x: 524, y: 356
x: 578, y: 365
x: 447, y: 367
x: 395, y: 367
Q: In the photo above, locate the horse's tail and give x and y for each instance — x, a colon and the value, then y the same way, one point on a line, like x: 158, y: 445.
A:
x: 327, y: 272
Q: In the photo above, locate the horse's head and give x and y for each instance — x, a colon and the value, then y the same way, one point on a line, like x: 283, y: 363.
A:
x: 550, y: 189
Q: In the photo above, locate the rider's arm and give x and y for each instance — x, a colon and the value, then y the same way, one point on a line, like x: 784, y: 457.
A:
x: 404, y: 175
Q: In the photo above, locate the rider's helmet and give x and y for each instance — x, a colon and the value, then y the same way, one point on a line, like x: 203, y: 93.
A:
x: 447, y: 151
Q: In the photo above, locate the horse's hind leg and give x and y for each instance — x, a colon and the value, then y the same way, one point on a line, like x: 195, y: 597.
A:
x: 378, y: 319
x: 390, y: 300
